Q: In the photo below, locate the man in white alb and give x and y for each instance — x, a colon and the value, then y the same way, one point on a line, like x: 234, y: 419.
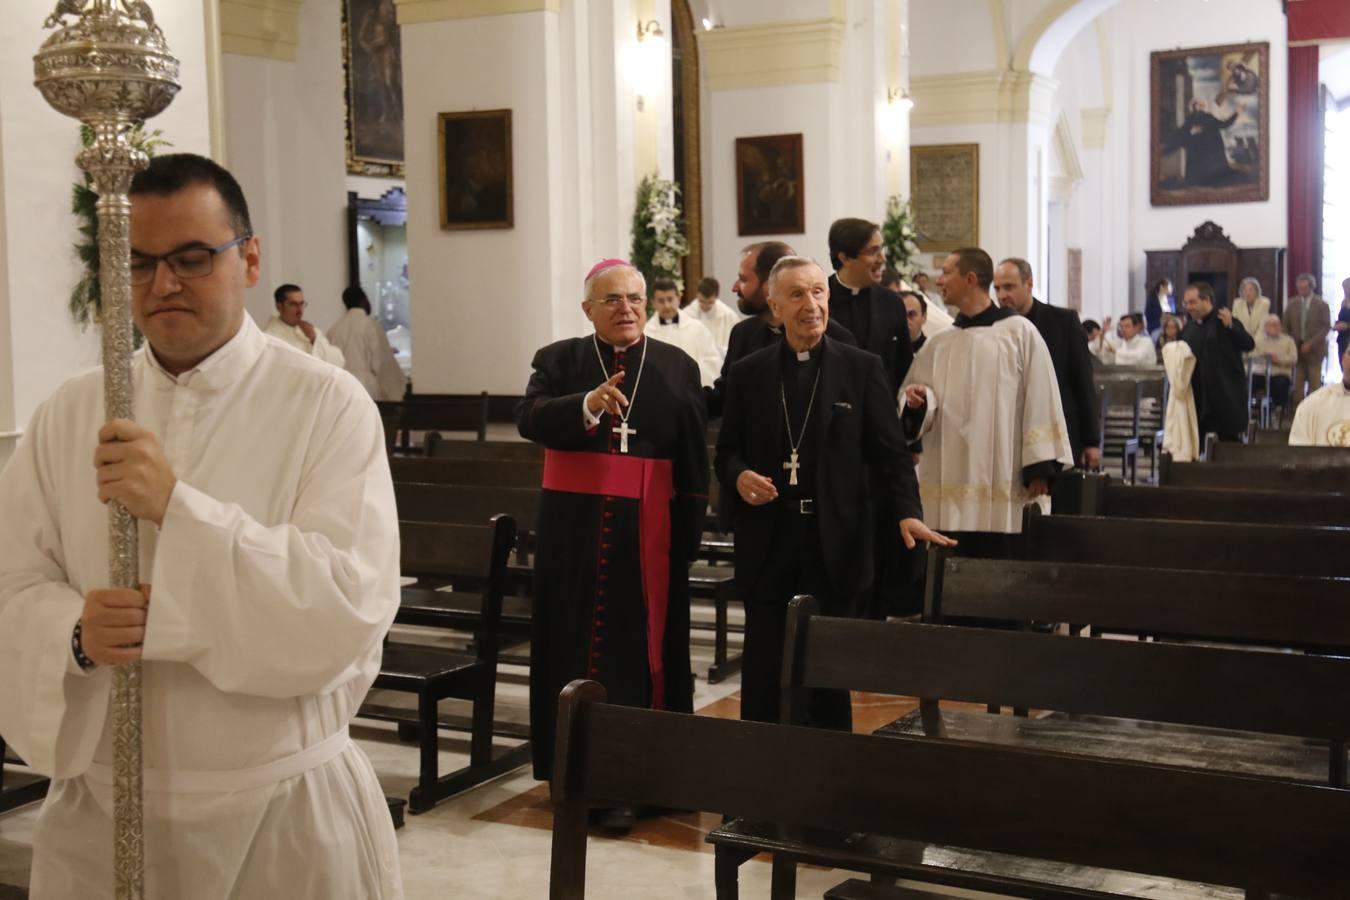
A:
x: 269, y: 551
x: 365, y: 348
x: 715, y: 315
x: 1134, y: 348
x: 1323, y: 419
x: 290, y: 326
x: 669, y: 326
x: 985, y: 394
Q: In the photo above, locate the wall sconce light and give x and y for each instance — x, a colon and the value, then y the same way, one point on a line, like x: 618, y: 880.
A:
x: 649, y: 58
x: 900, y: 97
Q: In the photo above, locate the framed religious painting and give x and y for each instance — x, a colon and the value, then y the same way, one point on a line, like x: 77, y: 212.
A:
x: 372, y: 56
x: 1210, y: 135
x: 944, y: 185
x: 474, y: 150
x: 770, y: 185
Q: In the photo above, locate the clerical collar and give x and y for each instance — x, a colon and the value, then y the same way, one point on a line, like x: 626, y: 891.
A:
x: 802, y: 356
x: 671, y: 321
x: 852, y: 290
x: 615, y: 348
x: 988, y: 316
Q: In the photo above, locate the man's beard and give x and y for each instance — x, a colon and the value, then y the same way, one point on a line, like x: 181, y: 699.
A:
x: 752, y: 305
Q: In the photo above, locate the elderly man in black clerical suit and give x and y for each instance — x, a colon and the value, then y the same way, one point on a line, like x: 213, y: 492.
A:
x: 871, y: 313
x: 624, y: 494
x: 1064, y: 338
x: 809, y: 436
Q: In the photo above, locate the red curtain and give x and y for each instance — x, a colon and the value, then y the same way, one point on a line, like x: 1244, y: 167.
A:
x: 1317, y: 20
x: 1306, y: 139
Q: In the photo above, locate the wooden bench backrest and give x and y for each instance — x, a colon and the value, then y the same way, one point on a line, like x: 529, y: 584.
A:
x: 1202, y: 826
x: 466, y: 504
x: 475, y: 552
x: 443, y: 412
x: 439, y: 447
x: 1104, y: 497
x: 1279, y: 610
x: 486, y: 472
x: 1208, y: 546
x: 1274, y: 477
x: 1243, y: 690
x: 1229, y: 453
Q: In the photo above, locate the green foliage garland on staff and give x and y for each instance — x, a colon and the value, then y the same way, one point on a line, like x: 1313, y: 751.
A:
x: 86, y: 304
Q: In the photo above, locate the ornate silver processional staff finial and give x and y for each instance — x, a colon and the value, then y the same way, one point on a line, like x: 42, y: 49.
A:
x: 111, y: 69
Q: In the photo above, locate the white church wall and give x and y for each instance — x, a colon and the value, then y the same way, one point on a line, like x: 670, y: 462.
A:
x: 482, y: 301
x: 43, y: 346
x: 1142, y: 26
x: 285, y: 134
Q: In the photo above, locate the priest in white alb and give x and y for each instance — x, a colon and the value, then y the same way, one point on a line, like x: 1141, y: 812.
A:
x: 289, y: 324
x: 269, y: 555
x: 984, y: 398
x: 1323, y: 419
x: 365, y: 348
x: 670, y: 326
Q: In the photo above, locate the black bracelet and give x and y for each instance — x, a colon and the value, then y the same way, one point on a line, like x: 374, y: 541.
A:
x: 77, y: 647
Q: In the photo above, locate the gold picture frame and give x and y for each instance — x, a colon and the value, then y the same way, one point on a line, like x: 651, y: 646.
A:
x: 473, y: 151
x: 372, y: 70
x: 944, y: 188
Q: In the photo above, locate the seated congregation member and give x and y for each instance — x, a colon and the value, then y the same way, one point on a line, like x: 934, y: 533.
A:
x: 873, y: 315
x: 269, y: 557
x: 1063, y: 336
x: 1135, y: 347
x: 760, y: 329
x: 624, y: 494
x: 986, y: 395
x: 670, y: 326
x: 1219, y: 382
x: 1251, y: 307
x: 1323, y: 419
x: 289, y: 325
x: 809, y: 437
x: 715, y: 315
x: 365, y: 348
x: 1279, y: 348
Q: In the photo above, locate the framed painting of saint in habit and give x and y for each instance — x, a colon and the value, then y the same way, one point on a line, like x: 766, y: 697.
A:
x: 770, y: 185
x: 1210, y: 136
x: 475, y: 163
x: 372, y: 56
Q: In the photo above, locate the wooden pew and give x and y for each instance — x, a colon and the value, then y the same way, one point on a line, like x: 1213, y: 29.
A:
x: 438, y: 447
x: 1275, y: 610
x: 438, y: 412
x: 1092, y: 495
x: 1229, y: 547
x: 436, y: 674
x: 1285, y: 476
x: 487, y: 472
x: 21, y: 789
x: 1321, y: 458
x: 923, y: 794
x: 1118, y: 408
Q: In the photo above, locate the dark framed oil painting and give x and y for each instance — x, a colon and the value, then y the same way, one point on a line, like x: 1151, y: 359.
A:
x: 373, y: 59
x: 770, y: 185
x: 474, y: 149
x: 1210, y: 135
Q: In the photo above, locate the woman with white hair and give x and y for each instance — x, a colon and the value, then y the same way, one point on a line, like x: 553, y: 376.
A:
x: 1251, y: 308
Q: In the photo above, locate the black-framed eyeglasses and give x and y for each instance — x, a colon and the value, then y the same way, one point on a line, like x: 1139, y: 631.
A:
x: 194, y: 262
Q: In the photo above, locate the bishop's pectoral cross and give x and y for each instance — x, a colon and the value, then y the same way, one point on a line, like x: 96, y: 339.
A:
x: 623, y: 431
x: 791, y: 467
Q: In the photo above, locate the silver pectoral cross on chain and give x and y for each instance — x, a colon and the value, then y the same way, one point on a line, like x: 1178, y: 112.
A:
x: 791, y: 467
x: 623, y: 431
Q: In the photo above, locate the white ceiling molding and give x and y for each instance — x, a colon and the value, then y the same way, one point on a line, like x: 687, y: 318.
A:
x: 770, y: 55
x: 269, y: 29
x: 981, y: 97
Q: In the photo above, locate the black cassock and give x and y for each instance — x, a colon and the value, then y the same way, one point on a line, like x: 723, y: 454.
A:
x: 590, y: 607
x: 1220, y: 378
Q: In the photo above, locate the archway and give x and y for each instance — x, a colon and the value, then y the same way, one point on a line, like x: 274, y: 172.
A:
x: 685, y: 109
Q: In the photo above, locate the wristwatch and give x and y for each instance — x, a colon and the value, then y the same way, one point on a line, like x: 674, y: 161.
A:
x: 77, y: 648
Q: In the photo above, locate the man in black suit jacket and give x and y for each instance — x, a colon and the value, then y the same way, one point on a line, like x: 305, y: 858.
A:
x: 809, y: 436
x: 1065, y: 339
x: 874, y: 315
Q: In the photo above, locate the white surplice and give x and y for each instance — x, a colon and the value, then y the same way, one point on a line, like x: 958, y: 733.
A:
x: 993, y: 409
x: 937, y: 321
x: 1181, y: 429
x: 1323, y: 418
x: 719, y: 321
x: 367, y: 354
x: 291, y: 334
x: 274, y: 578
x: 691, y: 337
